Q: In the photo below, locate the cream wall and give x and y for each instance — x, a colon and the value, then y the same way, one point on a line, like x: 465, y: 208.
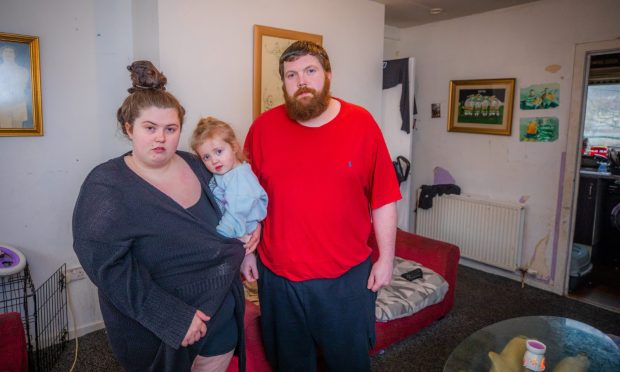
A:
x: 205, y: 49
x: 519, y: 42
x: 83, y: 51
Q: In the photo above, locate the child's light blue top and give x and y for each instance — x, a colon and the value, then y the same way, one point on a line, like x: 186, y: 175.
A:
x: 242, y: 200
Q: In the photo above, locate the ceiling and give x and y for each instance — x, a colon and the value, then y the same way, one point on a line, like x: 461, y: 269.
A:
x: 407, y: 13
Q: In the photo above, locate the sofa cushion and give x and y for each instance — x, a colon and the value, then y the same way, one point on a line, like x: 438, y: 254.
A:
x: 250, y: 291
x: 403, y: 298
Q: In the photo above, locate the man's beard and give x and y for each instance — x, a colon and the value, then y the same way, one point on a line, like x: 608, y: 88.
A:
x: 308, y: 107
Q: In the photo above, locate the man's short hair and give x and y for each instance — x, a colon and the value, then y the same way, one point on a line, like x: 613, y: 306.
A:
x: 302, y: 48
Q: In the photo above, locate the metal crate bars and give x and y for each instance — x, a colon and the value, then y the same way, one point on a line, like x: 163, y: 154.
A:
x: 43, y: 312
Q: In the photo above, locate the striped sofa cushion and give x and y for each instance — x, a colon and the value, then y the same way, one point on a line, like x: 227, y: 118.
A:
x: 403, y: 298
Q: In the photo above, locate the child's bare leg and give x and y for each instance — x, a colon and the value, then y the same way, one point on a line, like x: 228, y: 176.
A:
x: 218, y: 363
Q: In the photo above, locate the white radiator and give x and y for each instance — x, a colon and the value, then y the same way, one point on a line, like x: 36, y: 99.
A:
x: 486, y: 231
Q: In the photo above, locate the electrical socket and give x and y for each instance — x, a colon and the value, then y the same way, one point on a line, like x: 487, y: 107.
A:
x: 75, y: 273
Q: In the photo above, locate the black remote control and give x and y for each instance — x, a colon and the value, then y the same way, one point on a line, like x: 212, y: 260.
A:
x: 413, y: 274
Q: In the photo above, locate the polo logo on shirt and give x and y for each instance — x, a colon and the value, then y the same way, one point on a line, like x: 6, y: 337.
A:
x: 350, y: 164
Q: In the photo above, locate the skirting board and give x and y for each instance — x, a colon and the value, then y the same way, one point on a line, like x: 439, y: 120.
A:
x: 86, y: 329
x: 506, y: 274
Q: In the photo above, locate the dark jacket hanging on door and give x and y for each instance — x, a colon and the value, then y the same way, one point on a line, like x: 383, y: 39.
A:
x: 396, y: 72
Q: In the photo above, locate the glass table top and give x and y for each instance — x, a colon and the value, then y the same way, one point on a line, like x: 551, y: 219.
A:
x: 563, y: 337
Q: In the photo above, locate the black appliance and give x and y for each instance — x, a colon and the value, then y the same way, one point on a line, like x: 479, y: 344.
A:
x: 614, y: 160
x: 588, y: 211
x: 610, y: 226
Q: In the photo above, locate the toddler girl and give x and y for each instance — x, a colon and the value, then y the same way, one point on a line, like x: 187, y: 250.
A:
x: 241, y: 198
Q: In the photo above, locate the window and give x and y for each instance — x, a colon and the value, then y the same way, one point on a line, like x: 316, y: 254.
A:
x: 602, y: 119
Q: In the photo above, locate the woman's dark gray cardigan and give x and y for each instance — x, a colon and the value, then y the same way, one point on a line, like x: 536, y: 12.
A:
x: 154, y: 264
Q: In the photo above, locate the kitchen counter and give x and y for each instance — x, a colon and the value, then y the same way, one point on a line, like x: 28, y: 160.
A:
x: 593, y: 173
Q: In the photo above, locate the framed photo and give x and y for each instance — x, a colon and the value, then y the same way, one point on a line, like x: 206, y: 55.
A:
x: 435, y: 110
x: 481, y: 106
x: 269, y: 43
x: 540, y: 96
x: 20, y: 95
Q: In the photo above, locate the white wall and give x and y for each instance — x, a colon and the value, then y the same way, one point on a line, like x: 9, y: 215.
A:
x: 205, y: 49
x: 517, y: 42
x: 83, y: 51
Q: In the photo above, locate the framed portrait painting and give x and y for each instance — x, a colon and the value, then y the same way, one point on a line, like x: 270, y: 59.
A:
x: 20, y: 87
x: 269, y: 43
x: 481, y: 106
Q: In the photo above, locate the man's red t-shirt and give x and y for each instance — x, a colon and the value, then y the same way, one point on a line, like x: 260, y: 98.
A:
x: 322, y: 184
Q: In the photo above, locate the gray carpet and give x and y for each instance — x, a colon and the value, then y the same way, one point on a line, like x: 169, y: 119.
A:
x: 481, y: 299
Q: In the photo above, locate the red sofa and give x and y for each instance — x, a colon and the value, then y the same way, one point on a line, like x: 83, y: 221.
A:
x: 13, y: 354
x: 439, y: 256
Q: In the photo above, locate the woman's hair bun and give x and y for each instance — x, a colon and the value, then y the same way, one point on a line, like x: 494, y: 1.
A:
x: 144, y: 75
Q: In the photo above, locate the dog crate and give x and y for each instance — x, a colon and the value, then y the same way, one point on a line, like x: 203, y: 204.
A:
x: 43, y: 312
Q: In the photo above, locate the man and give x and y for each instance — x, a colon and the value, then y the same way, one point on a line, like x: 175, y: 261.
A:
x: 327, y: 172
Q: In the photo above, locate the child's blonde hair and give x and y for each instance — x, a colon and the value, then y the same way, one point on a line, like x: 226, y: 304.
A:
x: 211, y: 127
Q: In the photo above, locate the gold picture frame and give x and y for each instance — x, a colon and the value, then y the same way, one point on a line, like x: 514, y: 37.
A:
x: 269, y: 43
x: 481, y: 106
x: 20, y: 96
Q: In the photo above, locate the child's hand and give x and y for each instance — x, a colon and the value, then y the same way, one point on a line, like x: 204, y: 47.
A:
x: 245, y: 239
x: 249, y: 269
x: 252, y: 243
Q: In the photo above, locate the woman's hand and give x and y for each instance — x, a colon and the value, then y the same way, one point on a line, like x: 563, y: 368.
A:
x: 248, y: 268
x: 197, y: 329
x: 252, y: 243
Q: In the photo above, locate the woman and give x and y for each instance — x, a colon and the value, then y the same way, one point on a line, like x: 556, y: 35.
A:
x: 144, y: 231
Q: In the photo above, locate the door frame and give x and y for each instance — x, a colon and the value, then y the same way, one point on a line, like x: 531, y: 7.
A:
x: 572, y: 162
